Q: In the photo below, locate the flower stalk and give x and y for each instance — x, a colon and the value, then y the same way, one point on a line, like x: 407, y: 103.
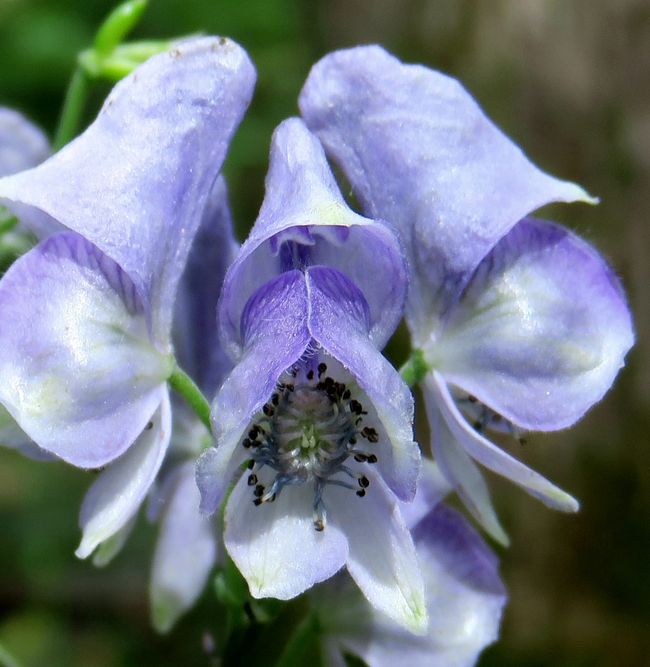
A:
x: 414, y: 369
x: 183, y: 384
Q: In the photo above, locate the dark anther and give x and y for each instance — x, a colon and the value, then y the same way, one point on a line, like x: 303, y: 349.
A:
x: 361, y: 493
x: 472, y: 399
x: 321, y: 368
x: 259, y: 491
x: 257, y: 502
x: 364, y: 482
x: 371, y: 434
x: 267, y: 410
x: 372, y: 459
x: 252, y: 434
x: 288, y: 387
x: 310, y: 375
x: 347, y: 394
x: 360, y: 458
x: 356, y: 407
x: 275, y: 399
x: 149, y: 426
x: 353, y: 441
x: 252, y: 479
x: 319, y: 525
x: 247, y: 443
x: 477, y: 426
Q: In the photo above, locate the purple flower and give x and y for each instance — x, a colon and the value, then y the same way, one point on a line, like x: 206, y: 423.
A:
x: 188, y: 543
x: 319, y: 417
x: 85, y: 341
x: 464, y: 595
x: 521, y: 323
x: 22, y: 144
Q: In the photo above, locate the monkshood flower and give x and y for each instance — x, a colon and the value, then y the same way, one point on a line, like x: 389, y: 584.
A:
x: 520, y: 323
x: 22, y: 145
x: 464, y: 595
x: 188, y: 544
x: 311, y: 408
x: 85, y: 338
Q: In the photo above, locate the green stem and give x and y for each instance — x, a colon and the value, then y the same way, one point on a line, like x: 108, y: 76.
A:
x: 7, y: 223
x: 73, y: 106
x: 415, y: 368
x: 117, y: 25
x: 182, y: 383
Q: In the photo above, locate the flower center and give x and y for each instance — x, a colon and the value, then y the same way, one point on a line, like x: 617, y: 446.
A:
x: 306, y: 432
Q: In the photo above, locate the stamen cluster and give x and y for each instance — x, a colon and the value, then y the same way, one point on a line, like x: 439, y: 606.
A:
x: 306, y: 432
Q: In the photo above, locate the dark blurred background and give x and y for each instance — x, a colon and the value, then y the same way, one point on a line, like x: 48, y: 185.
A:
x: 569, y: 82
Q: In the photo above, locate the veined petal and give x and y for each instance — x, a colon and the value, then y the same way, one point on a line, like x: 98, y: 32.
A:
x: 78, y: 372
x: 382, y: 559
x: 185, y: 553
x: 275, y: 545
x: 460, y: 470
x: 136, y: 182
x: 118, y: 492
x: 421, y: 154
x: 22, y: 144
x: 274, y: 334
x: 196, y: 341
x: 304, y: 221
x: 465, y: 599
x: 493, y: 457
x: 338, y: 321
x: 541, y: 330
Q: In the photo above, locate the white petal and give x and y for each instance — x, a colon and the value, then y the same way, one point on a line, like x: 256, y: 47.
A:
x: 185, y: 553
x: 382, y: 557
x: 117, y: 493
x: 276, y: 547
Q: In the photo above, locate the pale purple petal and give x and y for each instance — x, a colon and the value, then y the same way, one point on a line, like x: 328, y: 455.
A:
x: 460, y: 470
x: 420, y: 153
x: 196, y: 342
x: 274, y: 335
x: 12, y: 436
x: 304, y: 221
x: 275, y: 545
x: 382, y: 559
x: 185, y: 552
x: 433, y: 486
x: 111, y: 547
x: 22, y: 144
x: 118, y: 492
x: 541, y: 330
x: 79, y: 374
x: 338, y: 321
x: 137, y: 181
x: 465, y: 599
x: 493, y: 457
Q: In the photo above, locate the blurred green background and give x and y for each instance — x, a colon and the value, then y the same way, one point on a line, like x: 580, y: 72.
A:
x: 569, y: 82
